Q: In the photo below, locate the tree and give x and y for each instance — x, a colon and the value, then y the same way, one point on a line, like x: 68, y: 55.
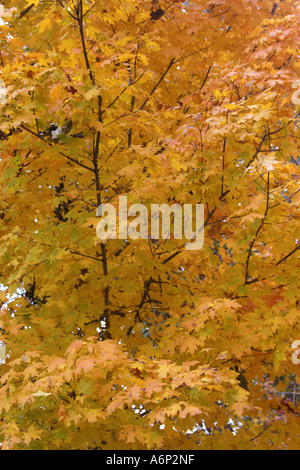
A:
x: 130, y: 344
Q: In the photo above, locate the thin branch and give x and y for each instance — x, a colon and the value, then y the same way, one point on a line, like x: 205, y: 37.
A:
x: 220, y: 14
x: 66, y: 156
x: 288, y: 255
x: 191, y: 54
x: 123, y: 91
x: 256, y: 437
x: 172, y: 62
x: 267, y: 135
x: 210, y: 214
x: 205, y: 79
x: 247, y: 281
x: 77, y: 162
x: 147, y: 286
x: 27, y: 10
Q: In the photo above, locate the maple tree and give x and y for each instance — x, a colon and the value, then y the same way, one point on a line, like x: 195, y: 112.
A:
x: 141, y: 344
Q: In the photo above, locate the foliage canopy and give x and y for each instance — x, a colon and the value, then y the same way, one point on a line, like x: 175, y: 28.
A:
x: 131, y: 344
